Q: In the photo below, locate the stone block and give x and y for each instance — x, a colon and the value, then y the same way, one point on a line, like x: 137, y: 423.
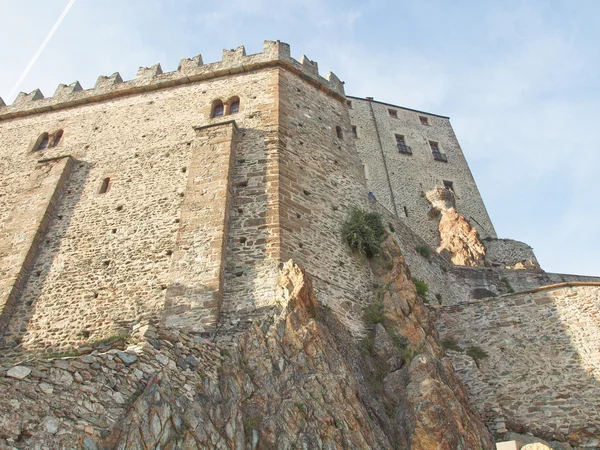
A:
x: 507, y: 445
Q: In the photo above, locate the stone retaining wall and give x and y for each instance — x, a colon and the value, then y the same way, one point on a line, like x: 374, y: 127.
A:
x: 543, y: 363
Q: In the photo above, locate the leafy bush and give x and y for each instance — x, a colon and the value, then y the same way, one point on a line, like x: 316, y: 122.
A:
x: 509, y: 287
x: 364, y: 232
x: 451, y: 344
x: 399, y: 341
x: 374, y: 313
x: 477, y: 353
x: 366, y: 345
x: 410, y: 353
x: 424, y: 251
x: 422, y: 288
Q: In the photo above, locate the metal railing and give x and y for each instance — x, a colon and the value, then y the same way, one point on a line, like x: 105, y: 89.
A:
x: 439, y: 156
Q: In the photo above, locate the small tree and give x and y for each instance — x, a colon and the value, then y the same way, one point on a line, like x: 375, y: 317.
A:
x: 364, y: 232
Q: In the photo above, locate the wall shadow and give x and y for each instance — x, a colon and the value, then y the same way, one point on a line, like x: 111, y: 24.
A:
x: 540, y: 363
x: 13, y: 342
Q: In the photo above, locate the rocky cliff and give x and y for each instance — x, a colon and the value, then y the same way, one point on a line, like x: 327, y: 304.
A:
x: 296, y: 379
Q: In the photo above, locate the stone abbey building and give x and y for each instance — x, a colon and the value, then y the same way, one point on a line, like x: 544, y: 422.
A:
x: 171, y: 201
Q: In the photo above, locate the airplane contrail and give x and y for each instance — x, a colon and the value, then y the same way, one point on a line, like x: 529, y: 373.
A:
x: 41, y: 49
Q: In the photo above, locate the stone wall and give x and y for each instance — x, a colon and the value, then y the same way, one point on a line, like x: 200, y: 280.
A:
x: 25, y: 227
x: 320, y: 181
x: 106, y: 260
x: 399, y: 180
x: 510, y: 254
x: 542, y: 366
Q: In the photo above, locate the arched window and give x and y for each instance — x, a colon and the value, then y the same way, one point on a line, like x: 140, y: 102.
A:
x: 56, y: 138
x: 218, y: 109
x: 43, y: 142
x: 234, y: 105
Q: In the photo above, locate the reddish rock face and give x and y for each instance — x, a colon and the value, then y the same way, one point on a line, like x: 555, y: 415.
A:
x: 460, y: 239
x: 433, y: 404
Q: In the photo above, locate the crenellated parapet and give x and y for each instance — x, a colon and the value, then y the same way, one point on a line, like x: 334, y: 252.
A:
x: 275, y: 53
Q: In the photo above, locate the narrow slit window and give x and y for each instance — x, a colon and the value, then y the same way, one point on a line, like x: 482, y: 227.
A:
x: 104, y: 186
x: 354, y: 131
x: 338, y: 131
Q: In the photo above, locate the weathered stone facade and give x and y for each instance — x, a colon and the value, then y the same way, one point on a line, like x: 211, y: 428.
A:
x: 175, y: 198
x: 399, y: 175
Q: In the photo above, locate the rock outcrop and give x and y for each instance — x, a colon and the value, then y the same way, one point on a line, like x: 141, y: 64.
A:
x: 297, y: 379
x: 457, y: 236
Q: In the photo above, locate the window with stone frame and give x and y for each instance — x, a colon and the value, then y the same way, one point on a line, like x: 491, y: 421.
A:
x: 424, y: 120
x: 401, y: 145
x: 56, y: 137
x: 44, y: 141
x: 393, y: 113
x: 218, y: 109
x: 234, y: 105
x: 435, y: 151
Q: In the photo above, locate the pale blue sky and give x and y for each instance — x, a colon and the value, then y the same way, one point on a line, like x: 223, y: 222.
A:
x: 519, y: 80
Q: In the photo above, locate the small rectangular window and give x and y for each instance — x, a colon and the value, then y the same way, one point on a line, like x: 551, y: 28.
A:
x: 435, y: 151
x: 401, y: 144
x: 424, y: 120
x: 354, y: 131
x: 448, y: 185
x: 393, y: 113
x: 349, y: 103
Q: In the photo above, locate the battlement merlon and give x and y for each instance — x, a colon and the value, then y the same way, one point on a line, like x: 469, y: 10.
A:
x: 275, y: 53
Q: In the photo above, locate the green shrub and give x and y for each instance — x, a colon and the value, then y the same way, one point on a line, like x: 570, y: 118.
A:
x: 250, y: 423
x: 399, y: 341
x: 366, y: 345
x: 477, y: 353
x: 376, y: 380
x: 374, y: 313
x: 410, y: 353
x: 422, y: 288
x: 424, y: 251
x: 509, y: 287
x: 451, y: 344
x: 364, y: 232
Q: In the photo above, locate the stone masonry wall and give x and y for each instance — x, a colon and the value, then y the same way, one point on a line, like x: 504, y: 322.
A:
x: 194, y: 297
x: 510, y: 254
x: 106, y: 260
x: 320, y: 181
x: 411, y: 175
x: 24, y: 230
x: 543, y: 363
